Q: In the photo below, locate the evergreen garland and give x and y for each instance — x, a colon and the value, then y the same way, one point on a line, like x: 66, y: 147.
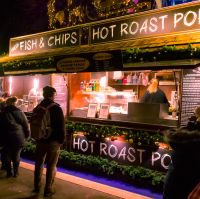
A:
x: 132, y: 55
x: 164, y: 54
x: 24, y: 65
x: 139, y: 137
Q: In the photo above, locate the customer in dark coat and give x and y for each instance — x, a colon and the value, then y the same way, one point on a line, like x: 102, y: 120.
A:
x: 2, y: 140
x: 154, y: 94
x: 49, y: 149
x: 184, y: 171
x: 16, y: 131
x: 2, y: 135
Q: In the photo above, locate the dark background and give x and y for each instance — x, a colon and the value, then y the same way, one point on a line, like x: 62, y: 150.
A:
x: 21, y: 17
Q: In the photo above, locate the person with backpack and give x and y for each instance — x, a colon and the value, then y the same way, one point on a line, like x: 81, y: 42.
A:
x: 16, y: 130
x: 48, y: 119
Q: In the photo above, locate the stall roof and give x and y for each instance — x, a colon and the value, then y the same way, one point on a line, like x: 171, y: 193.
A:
x: 148, y: 43
x: 173, y: 33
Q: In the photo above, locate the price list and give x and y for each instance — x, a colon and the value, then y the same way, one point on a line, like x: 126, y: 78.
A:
x: 106, y: 61
x: 190, y: 94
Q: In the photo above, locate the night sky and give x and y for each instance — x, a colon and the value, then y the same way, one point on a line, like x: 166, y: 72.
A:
x: 21, y: 17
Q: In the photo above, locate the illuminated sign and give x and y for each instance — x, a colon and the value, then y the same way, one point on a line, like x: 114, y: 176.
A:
x: 44, y: 41
x: 161, y: 22
x: 124, y: 152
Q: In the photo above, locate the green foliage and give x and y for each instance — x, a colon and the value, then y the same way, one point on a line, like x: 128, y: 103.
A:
x: 29, y: 147
x: 23, y: 65
x: 162, y: 54
x: 107, y: 167
x: 139, y: 137
x: 130, y: 55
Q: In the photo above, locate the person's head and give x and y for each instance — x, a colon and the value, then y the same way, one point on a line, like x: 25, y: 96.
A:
x: 11, y: 101
x: 49, y: 92
x: 153, y: 87
x: 1, y: 99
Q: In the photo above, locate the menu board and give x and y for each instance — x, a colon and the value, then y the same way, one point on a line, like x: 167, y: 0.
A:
x: 59, y: 83
x: 190, y: 94
x: 91, y: 62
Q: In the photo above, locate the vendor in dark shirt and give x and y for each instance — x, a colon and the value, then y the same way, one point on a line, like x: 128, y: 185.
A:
x: 154, y: 94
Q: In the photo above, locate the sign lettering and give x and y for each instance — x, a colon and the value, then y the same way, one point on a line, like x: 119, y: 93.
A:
x: 35, y: 44
x: 125, y: 153
x: 146, y: 24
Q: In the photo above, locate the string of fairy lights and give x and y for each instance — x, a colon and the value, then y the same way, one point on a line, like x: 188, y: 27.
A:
x: 73, y: 13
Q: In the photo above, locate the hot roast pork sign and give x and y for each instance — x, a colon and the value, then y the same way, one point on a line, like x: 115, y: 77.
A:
x: 124, y: 152
x: 163, y: 21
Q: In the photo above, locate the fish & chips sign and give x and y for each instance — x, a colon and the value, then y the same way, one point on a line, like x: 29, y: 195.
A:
x: 151, y: 23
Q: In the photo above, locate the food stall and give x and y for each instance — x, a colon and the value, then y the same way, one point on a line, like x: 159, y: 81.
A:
x: 101, y: 70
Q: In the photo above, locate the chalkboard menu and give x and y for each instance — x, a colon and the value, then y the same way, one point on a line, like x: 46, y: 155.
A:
x: 190, y: 93
x: 91, y: 62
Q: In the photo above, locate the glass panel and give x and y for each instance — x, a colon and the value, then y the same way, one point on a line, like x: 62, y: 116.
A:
x: 117, y: 89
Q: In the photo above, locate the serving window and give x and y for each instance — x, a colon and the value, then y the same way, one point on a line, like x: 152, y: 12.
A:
x: 28, y: 89
x: 117, y: 89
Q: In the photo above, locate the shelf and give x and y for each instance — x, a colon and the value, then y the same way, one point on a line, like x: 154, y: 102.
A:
x: 162, y: 83
x: 166, y: 83
x: 110, y: 93
x: 127, y: 84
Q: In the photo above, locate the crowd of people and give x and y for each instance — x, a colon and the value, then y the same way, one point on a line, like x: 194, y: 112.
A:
x: 182, y: 180
x: 15, y: 130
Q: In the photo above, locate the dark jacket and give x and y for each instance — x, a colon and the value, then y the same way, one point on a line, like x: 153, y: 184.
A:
x: 15, y: 128
x: 193, y: 124
x: 57, y: 121
x: 2, y: 136
x: 2, y: 105
x: 157, y: 97
x: 184, y: 171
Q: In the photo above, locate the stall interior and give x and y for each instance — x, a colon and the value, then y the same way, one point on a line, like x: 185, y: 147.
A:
x: 28, y: 89
x: 109, y: 95
x: 112, y: 95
